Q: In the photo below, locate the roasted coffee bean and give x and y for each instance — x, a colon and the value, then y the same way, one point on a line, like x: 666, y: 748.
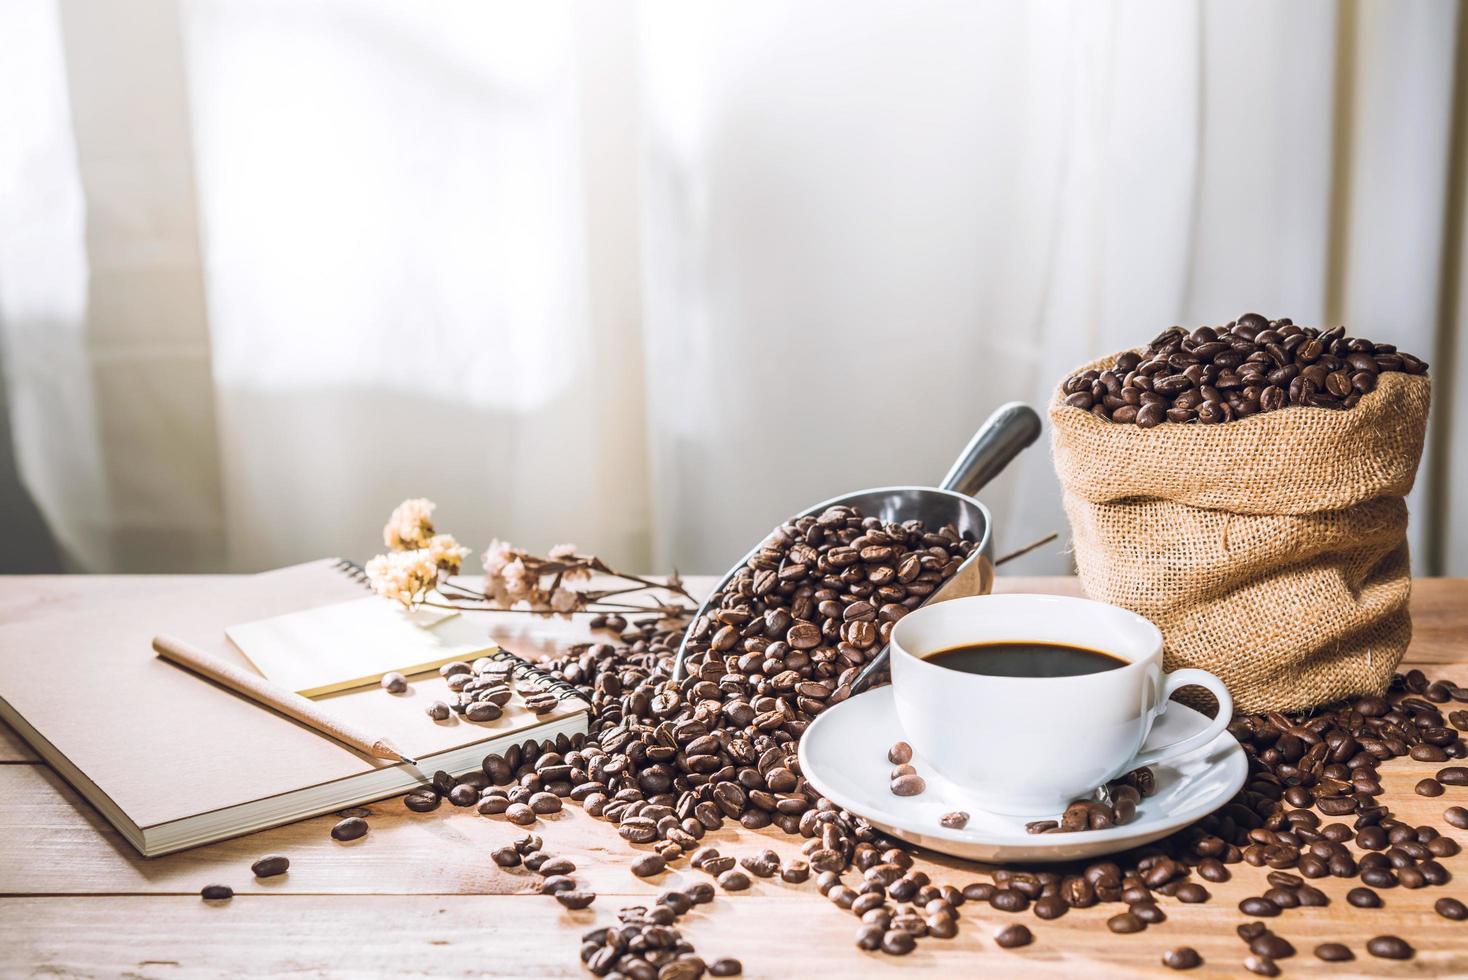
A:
x: 649, y: 865
x: 1261, y: 965
x: 1363, y: 898
x: 1451, y: 908
x: 1009, y: 900
x: 1261, y: 908
x: 956, y: 820
x: 463, y: 795
x: 576, y: 898
x: 1389, y: 948
x: 394, y: 683
x: 1148, y: 912
x: 1190, y: 893
x: 900, y: 754
x: 1013, y: 936
x: 1334, y: 952
x: 1214, y: 870
x: 1182, y: 958
x: 733, y: 880
x: 898, y: 942
x: 1272, y: 946
x: 349, y: 829
x: 908, y: 785
x: 519, y: 813
x: 1453, y: 776
x: 271, y: 865
x: 1126, y: 922
x: 1050, y: 907
x: 1456, y: 816
x: 726, y: 967
x: 1429, y: 787
x: 557, y: 883
x: 505, y: 857
x: 438, y: 711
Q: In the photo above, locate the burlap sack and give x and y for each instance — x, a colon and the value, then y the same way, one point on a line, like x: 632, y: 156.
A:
x: 1270, y: 550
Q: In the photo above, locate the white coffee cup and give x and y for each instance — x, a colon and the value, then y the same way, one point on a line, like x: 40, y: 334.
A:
x: 1028, y: 746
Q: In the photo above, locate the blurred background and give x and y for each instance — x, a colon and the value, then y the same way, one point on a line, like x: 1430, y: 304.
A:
x: 649, y: 276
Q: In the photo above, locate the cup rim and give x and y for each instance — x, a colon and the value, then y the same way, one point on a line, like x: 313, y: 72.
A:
x: 1154, y: 641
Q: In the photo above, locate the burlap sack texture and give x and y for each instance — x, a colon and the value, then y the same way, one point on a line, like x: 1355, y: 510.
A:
x: 1270, y: 550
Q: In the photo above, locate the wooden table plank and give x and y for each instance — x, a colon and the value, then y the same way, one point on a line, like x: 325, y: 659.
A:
x: 773, y: 934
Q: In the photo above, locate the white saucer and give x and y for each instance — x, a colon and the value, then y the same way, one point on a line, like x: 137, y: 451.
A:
x: 843, y: 754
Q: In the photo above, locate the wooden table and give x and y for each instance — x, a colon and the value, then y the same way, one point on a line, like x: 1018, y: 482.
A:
x: 419, y: 894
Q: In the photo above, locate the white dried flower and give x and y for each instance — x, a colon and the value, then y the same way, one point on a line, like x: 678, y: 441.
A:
x: 561, y: 552
x: 446, y: 553
x: 565, y: 600
x: 497, y: 556
x: 410, y: 526
x: 403, y: 575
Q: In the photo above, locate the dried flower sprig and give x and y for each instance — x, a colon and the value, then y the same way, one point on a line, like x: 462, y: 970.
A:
x: 417, y: 567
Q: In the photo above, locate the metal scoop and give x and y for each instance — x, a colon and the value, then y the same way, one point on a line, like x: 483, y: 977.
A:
x: 1009, y: 430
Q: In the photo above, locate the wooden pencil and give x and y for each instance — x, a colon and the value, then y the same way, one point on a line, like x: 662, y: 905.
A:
x: 288, y: 703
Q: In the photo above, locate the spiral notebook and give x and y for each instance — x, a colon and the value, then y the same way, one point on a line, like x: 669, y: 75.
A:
x: 174, y: 761
x: 342, y: 645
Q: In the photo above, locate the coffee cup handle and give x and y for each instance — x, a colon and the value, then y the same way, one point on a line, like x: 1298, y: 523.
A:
x: 1171, y: 682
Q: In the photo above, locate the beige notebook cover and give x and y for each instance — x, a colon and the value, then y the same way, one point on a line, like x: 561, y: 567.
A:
x: 350, y: 644
x: 174, y: 760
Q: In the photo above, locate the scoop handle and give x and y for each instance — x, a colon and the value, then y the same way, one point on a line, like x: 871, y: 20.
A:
x: 1002, y: 437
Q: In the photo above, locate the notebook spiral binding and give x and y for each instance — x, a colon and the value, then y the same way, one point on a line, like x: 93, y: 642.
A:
x: 520, y: 668
x: 353, y: 571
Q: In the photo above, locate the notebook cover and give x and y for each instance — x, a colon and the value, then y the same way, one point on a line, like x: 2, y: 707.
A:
x: 164, y: 744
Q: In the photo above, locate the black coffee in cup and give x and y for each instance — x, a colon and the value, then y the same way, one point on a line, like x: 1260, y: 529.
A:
x: 1025, y: 659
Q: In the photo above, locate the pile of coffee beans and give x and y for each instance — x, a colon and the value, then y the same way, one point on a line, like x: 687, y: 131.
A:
x: 647, y: 943
x: 1218, y: 374
x: 669, y: 760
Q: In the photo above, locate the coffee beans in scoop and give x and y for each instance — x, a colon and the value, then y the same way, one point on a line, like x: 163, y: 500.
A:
x: 1245, y: 367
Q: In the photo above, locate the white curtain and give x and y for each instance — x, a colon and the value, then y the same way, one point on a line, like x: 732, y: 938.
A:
x: 650, y: 276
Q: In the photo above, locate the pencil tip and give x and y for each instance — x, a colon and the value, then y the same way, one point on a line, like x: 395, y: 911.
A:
x: 408, y: 759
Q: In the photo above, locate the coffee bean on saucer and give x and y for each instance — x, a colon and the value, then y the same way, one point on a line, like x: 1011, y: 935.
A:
x: 1334, y: 952
x: 1363, y: 898
x: 900, y: 771
x: 271, y: 865
x: 216, y: 893
x: 1429, y: 787
x: 909, y: 785
x: 1389, y: 948
x: 1125, y: 922
x: 1013, y: 936
x: 1451, y: 908
x: 1456, y: 816
x: 1261, y: 965
x: 1182, y: 958
x: 1041, y: 826
x: 349, y: 829
x: 1453, y: 776
x: 394, y: 683
x: 956, y: 820
x: 900, y: 754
